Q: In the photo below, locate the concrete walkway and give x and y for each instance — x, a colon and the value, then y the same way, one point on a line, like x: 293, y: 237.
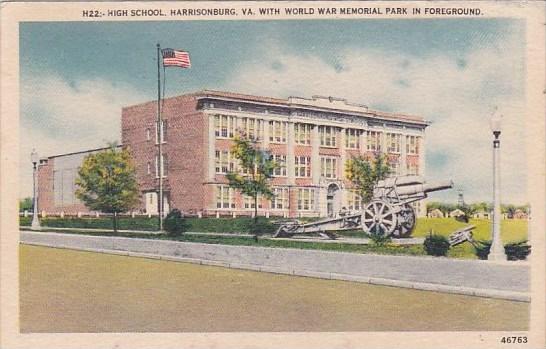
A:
x: 507, y: 280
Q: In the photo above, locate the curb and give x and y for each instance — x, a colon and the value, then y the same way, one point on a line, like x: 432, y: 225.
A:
x: 423, y: 286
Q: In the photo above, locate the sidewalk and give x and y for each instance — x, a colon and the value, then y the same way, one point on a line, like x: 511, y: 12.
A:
x: 470, y: 277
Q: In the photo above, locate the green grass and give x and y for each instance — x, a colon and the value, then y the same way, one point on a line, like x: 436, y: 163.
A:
x: 512, y: 231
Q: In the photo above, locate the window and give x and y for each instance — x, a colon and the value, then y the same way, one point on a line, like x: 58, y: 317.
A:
x: 253, y: 128
x: 373, y: 141
x: 352, y: 138
x: 148, y: 134
x: 306, y: 199
x: 328, y: 167
x: 302, y: 166
x: 164, y: 166
x: 280, y: 170
x: 163, y: 131
x: 354, y: 201
x: 412, y: 145
x: 277, y: 131
x: 413, y: 169
x: 302, y: 134
x: 223, y: 163
x: 280, y: 199
x: 149, y: 168
x: 224, y: 126
x: 393, y: 142
x: 394, y: 167
x: 224, y: 197
x: 328, y: 136
x: 248, y: 201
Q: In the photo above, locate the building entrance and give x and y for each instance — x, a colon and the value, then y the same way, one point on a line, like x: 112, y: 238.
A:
x: 333, y: 200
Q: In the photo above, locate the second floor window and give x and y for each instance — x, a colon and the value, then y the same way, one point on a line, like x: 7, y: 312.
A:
x: 224, y: 125
x: 302, y: 134
x: 328, y: 167
x: 223, y: 163
x: 412, y: 145
x: 280, y: 170
x: 277, y: 131
x: 164, y: 166
x: 328, y: 135
x: 302, y: 166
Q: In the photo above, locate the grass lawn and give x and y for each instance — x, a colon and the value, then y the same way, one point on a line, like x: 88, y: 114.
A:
x: 75, y: 291
x: 512, y: 231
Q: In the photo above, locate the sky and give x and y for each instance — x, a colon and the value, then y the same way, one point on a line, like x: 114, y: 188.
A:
x: 76, y: 77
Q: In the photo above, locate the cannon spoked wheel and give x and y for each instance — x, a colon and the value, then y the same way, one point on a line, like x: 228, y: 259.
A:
x: 379, y: 214
x: 406, y: 221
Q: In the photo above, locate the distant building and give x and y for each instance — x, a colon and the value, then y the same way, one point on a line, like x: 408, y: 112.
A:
x: 520, y: 214
x: 310, y: 138
x: 436, y: 213
x: 456, y: 213
x: 482, y: 215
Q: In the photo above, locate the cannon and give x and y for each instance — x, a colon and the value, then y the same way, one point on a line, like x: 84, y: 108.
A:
x: 389, y: 212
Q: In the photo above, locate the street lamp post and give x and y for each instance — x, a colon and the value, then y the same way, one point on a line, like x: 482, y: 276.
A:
x: 35, y: 221
x: 496, y: 252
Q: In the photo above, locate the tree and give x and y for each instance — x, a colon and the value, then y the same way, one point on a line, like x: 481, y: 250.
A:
x: 25, y: 204
x: 257, y: 167
x: 107, y: 182
x: 364, y: 173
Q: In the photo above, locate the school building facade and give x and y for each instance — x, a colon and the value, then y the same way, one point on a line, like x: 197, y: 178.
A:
x: 310, y: 139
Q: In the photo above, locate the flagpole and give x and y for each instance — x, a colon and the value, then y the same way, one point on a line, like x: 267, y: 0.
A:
x: 159, y: 140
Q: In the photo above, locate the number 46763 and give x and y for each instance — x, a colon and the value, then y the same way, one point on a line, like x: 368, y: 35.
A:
x: 514, y: 339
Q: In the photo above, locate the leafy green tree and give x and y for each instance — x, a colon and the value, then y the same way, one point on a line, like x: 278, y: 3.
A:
x: 509, y: 209
x: 25, y: 204
x: 257, y: 170
x: 107, y: 182
x: 364, y: 173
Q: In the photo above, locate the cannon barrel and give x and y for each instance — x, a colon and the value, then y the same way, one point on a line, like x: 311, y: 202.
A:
x: 423, y: 188
x: 398, y: 181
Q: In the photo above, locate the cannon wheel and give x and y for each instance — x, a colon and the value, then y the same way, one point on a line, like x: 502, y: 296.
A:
x: 407, y: 221
x: 379, y: 214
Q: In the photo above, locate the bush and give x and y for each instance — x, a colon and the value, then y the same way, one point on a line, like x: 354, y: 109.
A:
x: 514, y: 251
x: 378, y: 236
x: 174, y: 223
x: 436, y: 245
x: 262, y: 226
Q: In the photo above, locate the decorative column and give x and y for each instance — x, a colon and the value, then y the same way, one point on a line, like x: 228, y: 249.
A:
x: 35, y: 225
x: 342, y: 154
x: 211, y: 149
x: 265, y: 134
x: 496, y: 253
x: 315, y: 155
x: 290, y: 153
x: 363, y: 142
x: 403, y: 155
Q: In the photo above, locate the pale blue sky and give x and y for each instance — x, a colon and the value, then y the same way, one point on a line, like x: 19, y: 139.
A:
x: 75, y: 76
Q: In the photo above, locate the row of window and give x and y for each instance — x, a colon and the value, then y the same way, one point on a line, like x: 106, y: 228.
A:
x: 280, y: 200
x: 225, y: 127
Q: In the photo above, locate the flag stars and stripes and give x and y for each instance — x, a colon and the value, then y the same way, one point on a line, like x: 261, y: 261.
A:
x: 176, y: 58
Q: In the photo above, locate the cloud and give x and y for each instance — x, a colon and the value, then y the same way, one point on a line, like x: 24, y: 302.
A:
x: 58, y: 116
x: 456, y: 93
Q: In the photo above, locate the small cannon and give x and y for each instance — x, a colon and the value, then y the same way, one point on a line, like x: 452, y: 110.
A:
x: 389, y: 211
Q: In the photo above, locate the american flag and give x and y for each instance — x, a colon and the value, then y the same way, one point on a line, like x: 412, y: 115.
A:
x: 174, y: 58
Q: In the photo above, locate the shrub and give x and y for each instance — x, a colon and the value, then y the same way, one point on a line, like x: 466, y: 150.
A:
x: 514, y: 251
x: 262, y: 226
x: 436, y: 245
x: 174, y: 223
x: 378, y: 236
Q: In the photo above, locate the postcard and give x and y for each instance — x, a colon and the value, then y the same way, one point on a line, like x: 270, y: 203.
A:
x: 236, y: 174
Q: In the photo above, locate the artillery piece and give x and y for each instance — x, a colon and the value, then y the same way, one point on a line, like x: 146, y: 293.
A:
x: 388, y: 212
